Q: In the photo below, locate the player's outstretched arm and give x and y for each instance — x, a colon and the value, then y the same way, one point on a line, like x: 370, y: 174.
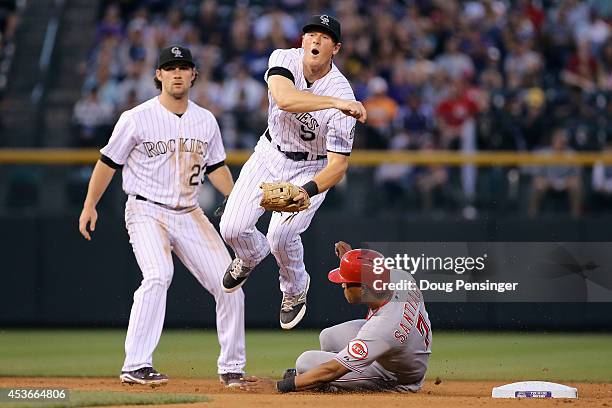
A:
x: 221, y: 179
x: 337, y: 164
x: 322, y: 374
x: 289, y: 99
x: 100, y: 179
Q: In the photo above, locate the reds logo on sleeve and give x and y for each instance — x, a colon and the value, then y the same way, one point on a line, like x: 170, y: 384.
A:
x: 358, y: 349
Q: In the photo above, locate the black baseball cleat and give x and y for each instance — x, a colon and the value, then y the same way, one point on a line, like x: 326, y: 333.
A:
x: 235, y: 276
x: 293, y: 308
x: 144, y: 376
x: 232, y: 380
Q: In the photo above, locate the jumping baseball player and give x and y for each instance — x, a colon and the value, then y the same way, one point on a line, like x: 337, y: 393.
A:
x: 311, y: 123
x: 388, y: 351
x: 166, y: 146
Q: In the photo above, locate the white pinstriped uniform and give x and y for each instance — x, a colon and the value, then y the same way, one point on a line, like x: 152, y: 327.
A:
x: 164, y: 159
x: 314, y: 133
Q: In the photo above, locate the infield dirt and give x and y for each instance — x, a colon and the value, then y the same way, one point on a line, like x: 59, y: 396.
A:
x: 446, y: 394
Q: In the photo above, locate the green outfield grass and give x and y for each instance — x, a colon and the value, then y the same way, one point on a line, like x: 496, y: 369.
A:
x: 193, y: 353
x: 110, y: 398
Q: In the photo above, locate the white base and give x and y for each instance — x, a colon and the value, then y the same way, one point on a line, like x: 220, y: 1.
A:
x: 534, y: 389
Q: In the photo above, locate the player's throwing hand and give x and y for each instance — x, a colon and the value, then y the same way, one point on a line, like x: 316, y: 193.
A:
x: 89, y: 215
x: 354, y: 109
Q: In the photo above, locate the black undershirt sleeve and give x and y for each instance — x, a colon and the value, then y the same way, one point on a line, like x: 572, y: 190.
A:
x: 109, y: 162
x: 342, y: 153
x: 210, y: 169
x: 282, y: 72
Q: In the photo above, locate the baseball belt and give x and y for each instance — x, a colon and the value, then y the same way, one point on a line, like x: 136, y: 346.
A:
x: 295, y: 156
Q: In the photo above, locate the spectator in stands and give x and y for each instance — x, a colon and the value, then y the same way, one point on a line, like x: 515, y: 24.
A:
x: 581, y: 68
x: 557, y: 178
x: 93, y: 118
x: 111, y: 25
x: 436, y: 89
x: 522, y: 60
x: 456, y: 64
x: 454, y: 113
x: 210, y: 21
x: 107, y: 88
x: 174, y: 29
x: 557, y: 37
x: 138, y: 82
x: 535, y: 121
x: 241, y: 98
x: 277, y: 25
x: 382, y: 112
x: 240, y: 32
x: 256, y: 58
x: 208, y: 93
x: 417, y: 119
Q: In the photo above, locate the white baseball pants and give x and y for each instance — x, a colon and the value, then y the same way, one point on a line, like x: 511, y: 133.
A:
x: 242, y: 211
x: 154, y: 232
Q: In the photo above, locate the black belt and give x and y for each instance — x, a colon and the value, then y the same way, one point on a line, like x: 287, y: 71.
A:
x: 141, y: 198
x: 295, y: 156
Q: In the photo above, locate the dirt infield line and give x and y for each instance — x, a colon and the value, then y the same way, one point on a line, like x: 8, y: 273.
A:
x: 446, y: 394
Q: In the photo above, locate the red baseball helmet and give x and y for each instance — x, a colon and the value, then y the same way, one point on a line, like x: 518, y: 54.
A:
x: 357, y: 266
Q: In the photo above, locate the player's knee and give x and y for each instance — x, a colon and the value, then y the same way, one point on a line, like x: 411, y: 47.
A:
x: 306, y: 361
x: 326, y: 340
x: 229, y: 232
x: 157, y: 282
x: 232, y: 234
x: 279, y: 239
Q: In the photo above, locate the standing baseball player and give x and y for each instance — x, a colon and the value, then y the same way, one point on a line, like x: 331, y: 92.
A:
x: 311, y: 124
x: 165, y: 147
x: 387, y: 351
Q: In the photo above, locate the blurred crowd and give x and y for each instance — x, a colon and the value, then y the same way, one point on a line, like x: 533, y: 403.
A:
x: 522, y: 75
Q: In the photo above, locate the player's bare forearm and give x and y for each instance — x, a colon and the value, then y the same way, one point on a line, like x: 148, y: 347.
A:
x: 322, y: 374
x: 100, y: 179
x: 332, y: 173
x: 289, y: 99
x: 222, y: 180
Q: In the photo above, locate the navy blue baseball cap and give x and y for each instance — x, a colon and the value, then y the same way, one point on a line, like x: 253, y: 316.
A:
x: 175, y: 53
x: 324, y: 23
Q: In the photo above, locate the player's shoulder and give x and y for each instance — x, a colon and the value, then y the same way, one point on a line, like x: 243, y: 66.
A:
x: 287, y: 53
x: 341, y: 83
